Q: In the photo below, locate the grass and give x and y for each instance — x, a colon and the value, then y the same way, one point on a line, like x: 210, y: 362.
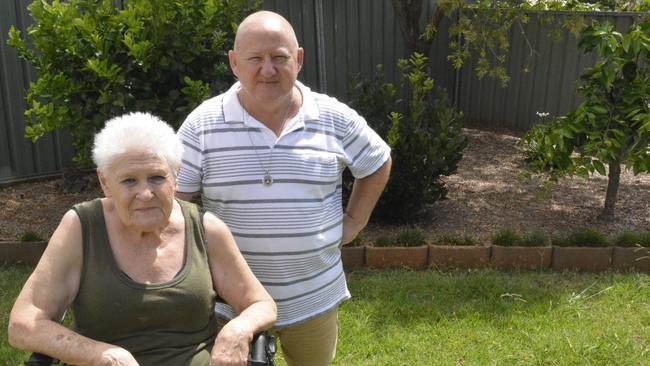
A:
x: 12, y: 278
x: 508, y: 237
x: 632, y: 239
x: 476, y: 317
x: 581, y: 238
x: 408, y: 236
x: 30, y: 235
x: 452, y: 239
x: 486, y: 317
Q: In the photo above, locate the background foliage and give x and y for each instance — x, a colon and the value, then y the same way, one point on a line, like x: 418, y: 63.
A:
x: 611, y: 127
x: 480, y: 29
x: 96, y: 61
x: 423, y: 130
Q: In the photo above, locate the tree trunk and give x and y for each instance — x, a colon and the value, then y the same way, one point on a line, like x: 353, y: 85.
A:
x: 612, y: 191
x: 409, y: 13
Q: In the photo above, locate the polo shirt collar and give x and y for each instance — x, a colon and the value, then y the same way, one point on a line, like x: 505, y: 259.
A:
x: 234, y: 113
x: 232, y: 110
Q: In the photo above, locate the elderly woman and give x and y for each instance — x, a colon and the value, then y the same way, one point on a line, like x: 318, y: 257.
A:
x: 139, y: 269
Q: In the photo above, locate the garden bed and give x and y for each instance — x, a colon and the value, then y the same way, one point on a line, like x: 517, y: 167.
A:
x: 485, y: 195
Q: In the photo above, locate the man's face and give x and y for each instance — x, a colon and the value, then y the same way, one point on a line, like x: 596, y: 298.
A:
x: 266, y: 60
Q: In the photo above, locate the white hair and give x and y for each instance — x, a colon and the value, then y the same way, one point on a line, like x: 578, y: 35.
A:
x: 140, y: 133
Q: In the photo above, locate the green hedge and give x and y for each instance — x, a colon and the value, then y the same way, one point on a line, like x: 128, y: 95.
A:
x: 95, y: 61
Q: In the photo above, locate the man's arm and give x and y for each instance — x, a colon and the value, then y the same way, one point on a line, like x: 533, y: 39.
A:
x: 364, y: 196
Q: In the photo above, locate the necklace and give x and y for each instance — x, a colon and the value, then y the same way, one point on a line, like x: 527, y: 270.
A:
x: 267, y: 179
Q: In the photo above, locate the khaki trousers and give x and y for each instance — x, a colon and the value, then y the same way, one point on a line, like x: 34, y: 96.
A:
x: 310, y: 343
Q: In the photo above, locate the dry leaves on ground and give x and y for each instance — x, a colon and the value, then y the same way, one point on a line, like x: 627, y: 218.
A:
x: 488, y: 194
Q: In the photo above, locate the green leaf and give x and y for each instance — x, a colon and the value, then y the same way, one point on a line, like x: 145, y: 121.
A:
x: 566, y: 132
x: 100, y: 60
x: 598, y: 109
x: 600, y: 168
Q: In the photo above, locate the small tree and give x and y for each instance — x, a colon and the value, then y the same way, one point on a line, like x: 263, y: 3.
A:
x: 95, y: 61
x: 611, y: 127
x: 424, y: 132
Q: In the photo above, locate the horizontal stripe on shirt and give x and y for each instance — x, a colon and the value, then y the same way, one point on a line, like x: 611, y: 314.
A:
x: 289, y: 232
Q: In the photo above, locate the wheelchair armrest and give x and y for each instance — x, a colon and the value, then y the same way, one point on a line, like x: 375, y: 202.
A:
x: 37, y: 359
x: 262, y: 352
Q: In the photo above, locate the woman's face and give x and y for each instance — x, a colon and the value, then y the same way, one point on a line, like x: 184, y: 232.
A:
x: 141, y: 187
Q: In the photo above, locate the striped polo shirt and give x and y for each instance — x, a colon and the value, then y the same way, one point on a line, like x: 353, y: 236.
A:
x: 289, y: 232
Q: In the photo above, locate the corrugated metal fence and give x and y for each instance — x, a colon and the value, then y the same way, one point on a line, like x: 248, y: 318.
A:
x: 549, y: 86
x: 19, y: 158
x: 341, y: 38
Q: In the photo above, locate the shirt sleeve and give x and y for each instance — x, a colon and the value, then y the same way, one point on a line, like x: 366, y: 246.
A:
x: 365, y: 150
x: 191, y: 172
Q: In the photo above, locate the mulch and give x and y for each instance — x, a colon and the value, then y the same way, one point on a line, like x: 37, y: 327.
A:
x: 487, y: 194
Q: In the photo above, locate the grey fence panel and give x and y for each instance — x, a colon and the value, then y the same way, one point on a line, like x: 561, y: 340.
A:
x: 341, y: 38
x: 549, y: 86
x: 443, y: 74
x: 19, y: 157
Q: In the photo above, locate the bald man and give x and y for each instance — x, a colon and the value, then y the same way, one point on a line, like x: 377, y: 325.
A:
x: 267, y: 157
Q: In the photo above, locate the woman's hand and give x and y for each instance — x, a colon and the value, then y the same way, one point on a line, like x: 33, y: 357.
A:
x: 116, y: 356
x: 232, y: 345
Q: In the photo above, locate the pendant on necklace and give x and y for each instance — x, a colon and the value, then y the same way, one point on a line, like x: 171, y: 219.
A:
x: 267, y: 180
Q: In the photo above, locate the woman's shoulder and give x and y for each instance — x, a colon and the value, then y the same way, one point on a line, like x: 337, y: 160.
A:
x: 214, y: 225
x: 189, y: 208
x: 88, y: 205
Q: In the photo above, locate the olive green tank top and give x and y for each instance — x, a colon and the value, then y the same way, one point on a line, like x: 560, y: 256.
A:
x: 170, y: 323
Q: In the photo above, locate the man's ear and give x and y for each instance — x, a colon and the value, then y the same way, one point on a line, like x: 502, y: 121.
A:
x: 232, y: 60
x: 301, y: 57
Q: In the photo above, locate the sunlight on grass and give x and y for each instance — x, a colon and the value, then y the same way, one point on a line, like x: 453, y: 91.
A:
x: 477, y: 317
x: 12, y: 278
x: 486, y: 317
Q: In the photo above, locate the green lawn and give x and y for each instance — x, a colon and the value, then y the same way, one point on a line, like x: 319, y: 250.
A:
x: 12, y: 279
x: 481, y: 317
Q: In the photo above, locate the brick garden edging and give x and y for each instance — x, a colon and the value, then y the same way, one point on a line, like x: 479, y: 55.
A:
x: 21, y: 252
x: 438, y: 256
x: 588, y: 259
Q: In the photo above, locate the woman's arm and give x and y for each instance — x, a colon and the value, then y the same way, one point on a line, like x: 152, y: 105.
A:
x: 51, y: 288
x: 235, y: 283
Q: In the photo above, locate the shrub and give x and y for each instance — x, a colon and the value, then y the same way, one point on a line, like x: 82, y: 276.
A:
x: 506, y: 237
x: 535, y: 147
x: 533, y: 239
x: 411, y: 236
x: 423, y: 131
x: 95, y: 61
x: 582, y: 238
x: 385, y: 241
x: 450, y: 239
x: 30, y: 235
x: 632, y: 239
